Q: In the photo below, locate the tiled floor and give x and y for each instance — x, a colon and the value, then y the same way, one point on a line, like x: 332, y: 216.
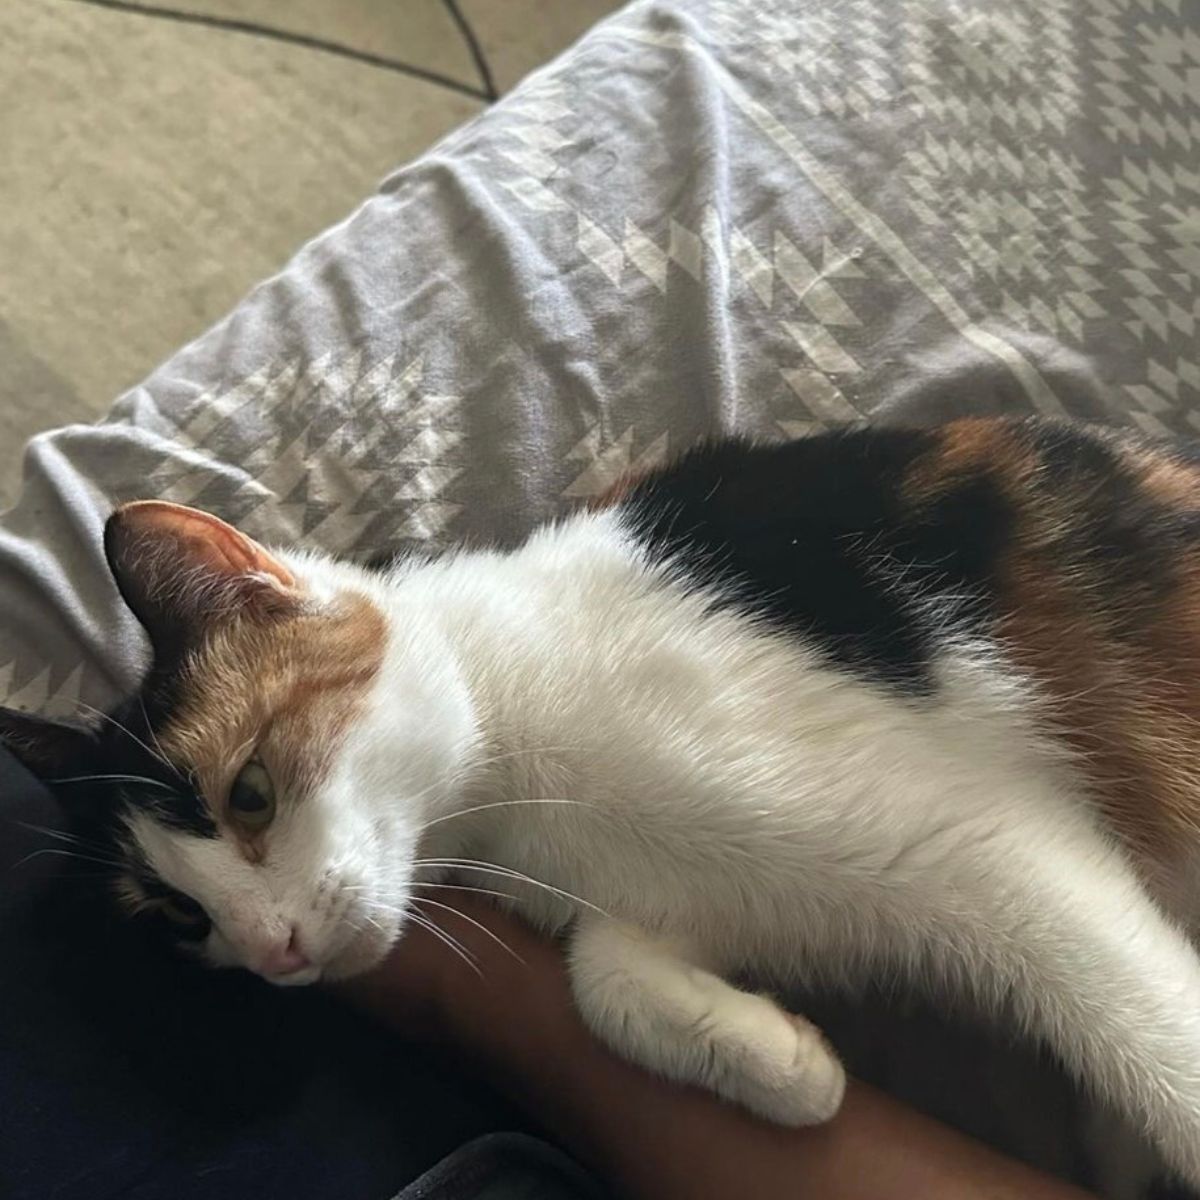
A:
x: 162, y: 158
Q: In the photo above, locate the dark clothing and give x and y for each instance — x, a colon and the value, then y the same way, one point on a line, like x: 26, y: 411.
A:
x: 127, y: 1072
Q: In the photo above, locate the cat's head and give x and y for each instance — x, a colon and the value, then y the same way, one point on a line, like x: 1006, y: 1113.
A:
x: 261, y: 799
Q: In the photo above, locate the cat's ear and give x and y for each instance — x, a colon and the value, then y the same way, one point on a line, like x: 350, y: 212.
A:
x: 183, y: 572
x: 45, y: 748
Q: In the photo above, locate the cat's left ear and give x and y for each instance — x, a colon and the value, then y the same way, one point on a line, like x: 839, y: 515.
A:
x: 183, y: 572
x: 45, y: 748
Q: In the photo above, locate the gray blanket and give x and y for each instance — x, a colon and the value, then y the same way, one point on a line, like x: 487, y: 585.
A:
x: 710, y: 215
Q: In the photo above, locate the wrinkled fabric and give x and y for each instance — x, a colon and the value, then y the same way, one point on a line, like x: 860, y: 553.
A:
x: 505, y: 1166
x: 710, y: 215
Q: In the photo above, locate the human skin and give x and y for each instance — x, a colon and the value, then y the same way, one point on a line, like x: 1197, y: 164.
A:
x: 512, y: 1017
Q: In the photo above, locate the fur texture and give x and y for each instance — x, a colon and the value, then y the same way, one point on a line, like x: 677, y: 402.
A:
x: 921, y: 704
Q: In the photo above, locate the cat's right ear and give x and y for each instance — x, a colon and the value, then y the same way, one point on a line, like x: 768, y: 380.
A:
x: 48, y: 749
x: 184, y: 572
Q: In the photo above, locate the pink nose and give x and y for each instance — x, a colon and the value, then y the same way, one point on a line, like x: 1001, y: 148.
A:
x: 283, y: 958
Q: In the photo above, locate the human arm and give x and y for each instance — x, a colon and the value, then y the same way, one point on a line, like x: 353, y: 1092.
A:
x: 656, y: 1140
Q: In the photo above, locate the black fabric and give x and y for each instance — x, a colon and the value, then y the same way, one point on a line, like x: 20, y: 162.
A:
x: 505, y: 1166
x: 125, y: 1072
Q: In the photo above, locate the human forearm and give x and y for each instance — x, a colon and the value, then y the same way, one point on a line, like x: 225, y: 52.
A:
x: 657, y: 1140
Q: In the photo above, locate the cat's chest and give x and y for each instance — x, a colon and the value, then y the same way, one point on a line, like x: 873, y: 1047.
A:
x: 548, y: 866
x: 660, y: 757
x: 766, y: 830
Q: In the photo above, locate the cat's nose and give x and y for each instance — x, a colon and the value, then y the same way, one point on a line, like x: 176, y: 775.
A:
x: 282, y: 957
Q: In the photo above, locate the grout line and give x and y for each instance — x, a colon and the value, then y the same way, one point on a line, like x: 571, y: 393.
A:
x: 476, y: 49
x: 233, y: 25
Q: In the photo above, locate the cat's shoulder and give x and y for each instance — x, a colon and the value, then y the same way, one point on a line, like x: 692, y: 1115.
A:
x: 903, y: 469
x: 876, y: 541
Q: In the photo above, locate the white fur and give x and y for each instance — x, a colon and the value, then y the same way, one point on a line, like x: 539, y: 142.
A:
x: 732, y: 805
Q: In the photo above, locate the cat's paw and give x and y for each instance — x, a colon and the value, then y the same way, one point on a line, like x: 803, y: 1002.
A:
x: 774, y: 1063
x: 655, y: 1008
x: 780, y: 1067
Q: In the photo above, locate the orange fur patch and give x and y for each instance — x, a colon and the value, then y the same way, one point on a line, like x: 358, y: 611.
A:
x: 1116, y: 659
x: 1106, y: 701
x: 972, y: 446
x: 1119, y: 678
x: 1174, y: 483
x: 283, y: 691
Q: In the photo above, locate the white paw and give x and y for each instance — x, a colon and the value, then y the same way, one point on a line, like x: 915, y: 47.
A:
x: 776, y: 1064
x: 689, y: 1025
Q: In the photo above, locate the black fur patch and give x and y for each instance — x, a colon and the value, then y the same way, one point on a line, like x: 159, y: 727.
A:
x: 1119, y: 535
x: 160, y: 789
x: 176, y: 806
x: 102, y: 774
x: 816, y: 536
x: 191, y: 932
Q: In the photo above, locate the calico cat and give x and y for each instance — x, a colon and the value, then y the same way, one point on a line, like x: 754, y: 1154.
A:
x: 877, y: 702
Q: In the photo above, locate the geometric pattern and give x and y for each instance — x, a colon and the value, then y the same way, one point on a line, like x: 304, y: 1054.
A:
x: 343, y: 449
x: 779, y: 275
x: 712, y: 215
x: 607, y: 461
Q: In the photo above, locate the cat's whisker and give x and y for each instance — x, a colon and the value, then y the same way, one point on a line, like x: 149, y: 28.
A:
x: 130, y: 734
x: 402, y: 911
x: 477, y: 808
x: 394, y: 910
x: 474, y: 864
x: 453, y: 945
x: 57, y: 851
x: 523, y: 752
x: 474, y: 765
x: 150, y: 730
x: 471, y: 921
x: 369, y: 920
x: 72, y: 840
x: 470, y: 887
x: 60, y: 834
x: 145, y: 779
x: 426, y: 923
x: 375, y: 924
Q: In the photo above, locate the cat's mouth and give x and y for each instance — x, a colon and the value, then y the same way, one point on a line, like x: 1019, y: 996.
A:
x: 355, y: 947
x: 356, y: 958
x: 301, y: 977
x: 351, y: 936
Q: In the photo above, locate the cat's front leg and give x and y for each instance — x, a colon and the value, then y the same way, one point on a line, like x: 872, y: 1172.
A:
x: 643, y: 997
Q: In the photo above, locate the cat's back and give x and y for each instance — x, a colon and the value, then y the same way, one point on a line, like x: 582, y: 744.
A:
x: 1074, y: 551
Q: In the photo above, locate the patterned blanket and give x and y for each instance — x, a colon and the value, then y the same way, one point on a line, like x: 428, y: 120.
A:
x: 710, y: 215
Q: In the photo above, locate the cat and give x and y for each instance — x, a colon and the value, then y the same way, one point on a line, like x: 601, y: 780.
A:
x: 918, y: 703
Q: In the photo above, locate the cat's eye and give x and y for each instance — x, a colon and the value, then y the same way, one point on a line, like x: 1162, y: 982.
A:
x: 184, y: 912
x: 252, y: 797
